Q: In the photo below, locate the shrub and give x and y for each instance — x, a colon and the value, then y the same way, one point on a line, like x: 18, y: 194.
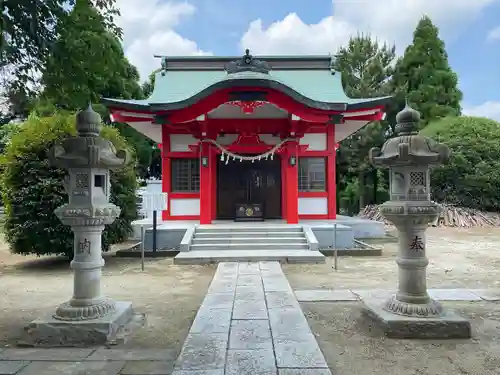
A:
x: 472, y: 176
x: 32, y: 189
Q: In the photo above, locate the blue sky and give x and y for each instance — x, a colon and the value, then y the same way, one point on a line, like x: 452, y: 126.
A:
x: 226, y: 27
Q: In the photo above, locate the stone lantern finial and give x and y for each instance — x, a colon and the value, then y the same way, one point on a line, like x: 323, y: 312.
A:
x: 407, y: 120
x: 411, y: 313
x: 88, y: 122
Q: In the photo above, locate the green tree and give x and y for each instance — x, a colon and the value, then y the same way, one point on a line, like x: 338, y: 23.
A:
x: 424, y: 77
x: 32, y: 189
x: 87, y: 62
x: 28, y: 29
x: 366, y: 68
x: 472, y: 176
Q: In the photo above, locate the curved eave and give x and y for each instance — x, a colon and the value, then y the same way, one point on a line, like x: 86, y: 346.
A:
x: 127, y: 104
x: 369, y: 103
x: 245, y: 83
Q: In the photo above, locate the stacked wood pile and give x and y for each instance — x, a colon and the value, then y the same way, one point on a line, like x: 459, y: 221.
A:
x: 451, y: 216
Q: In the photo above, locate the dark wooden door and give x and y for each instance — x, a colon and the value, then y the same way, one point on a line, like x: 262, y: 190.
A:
x: 247, y: 182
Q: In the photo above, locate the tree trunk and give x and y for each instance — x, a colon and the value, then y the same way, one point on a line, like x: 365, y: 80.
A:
x: 361, y: 181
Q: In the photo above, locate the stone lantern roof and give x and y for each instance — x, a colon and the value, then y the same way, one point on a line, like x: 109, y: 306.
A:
x: 409, y: 148
x: 88, y: 149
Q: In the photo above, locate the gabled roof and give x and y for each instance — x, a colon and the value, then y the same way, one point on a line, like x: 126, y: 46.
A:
x: 309, y: 80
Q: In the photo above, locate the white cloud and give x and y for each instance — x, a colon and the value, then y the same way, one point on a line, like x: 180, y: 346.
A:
x: 494, y: 33
x: 149, y: 29
x: 489, y: 109
x: 292, y: 36
x: 388, y: 20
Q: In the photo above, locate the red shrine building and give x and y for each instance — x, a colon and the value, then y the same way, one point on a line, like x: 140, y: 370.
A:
x: 249, y: 138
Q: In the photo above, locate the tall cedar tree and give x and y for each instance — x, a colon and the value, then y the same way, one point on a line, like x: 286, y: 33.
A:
x: 87, y: 62
x: 423, y: 77
x: 366, y: 68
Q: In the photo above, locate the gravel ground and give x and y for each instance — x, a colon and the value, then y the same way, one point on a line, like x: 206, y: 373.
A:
x: 459, y: 258
x: 351, y: 345
x: 169, y: 295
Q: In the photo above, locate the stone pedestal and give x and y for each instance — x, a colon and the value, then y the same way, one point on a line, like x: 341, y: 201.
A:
x: 447, y: 325
x: 411, y: 313
x: 88, y: 318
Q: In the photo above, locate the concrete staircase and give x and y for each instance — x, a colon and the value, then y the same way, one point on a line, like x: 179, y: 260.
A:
x: 249, y: 242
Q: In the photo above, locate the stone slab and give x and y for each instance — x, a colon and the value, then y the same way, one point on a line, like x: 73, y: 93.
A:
x: 250, y: 362
x: 288, y: 323
x: 203, y: 352
x: 218, y: 301
x: 488, y: 294
x: 216, y: 256
x: 270, y: 267
x: 448, y: 326
x: 325, y: 295
x: 304, y: 371
x: 281, y: 299
x: 249, y: 292
x: 250, y: 334
x: 72, y: 368
x: 133, y: 355
x: 299, y: 353
x: 250, y: 309
x: 453, y: 295
x: 49, y: 354
x: 199, y: 372
x: 249, y: 280
x: 222, y: 287
x: 148, y: 368
x: 11, y: 367
x: 212, y: 321
x: 50, y: 332
x: 276, y: 284
x: 252, y: 268
x: 370, y: 294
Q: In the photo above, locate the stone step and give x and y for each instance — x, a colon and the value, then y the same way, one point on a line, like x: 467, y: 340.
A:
x: 250, y: 246
x: 246, y: 240
x: 214, y: 256
x: 225, y: 234
x: 249, y: 228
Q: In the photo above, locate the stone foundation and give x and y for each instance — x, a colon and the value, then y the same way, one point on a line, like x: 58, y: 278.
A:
x: 447, y: 326
x: 50, y: 332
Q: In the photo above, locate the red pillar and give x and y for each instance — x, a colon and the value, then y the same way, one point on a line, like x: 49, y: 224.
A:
x: 284, y: 161
x: 331, y: 185
x: 292, y: 184
x: 214, y: 160
x: 165, y: 170
x: 206, y: 182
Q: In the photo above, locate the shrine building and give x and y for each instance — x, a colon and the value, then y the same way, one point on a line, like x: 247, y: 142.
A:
x: 248, y: 138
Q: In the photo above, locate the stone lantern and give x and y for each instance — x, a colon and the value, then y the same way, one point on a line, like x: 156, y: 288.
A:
x: 88, y: 318
x: 411, y: 313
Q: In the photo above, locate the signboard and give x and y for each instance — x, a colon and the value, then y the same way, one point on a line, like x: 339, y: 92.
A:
x: 154, y: 202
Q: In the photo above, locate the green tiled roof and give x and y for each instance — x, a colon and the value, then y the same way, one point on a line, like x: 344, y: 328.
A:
x: 317, y: 88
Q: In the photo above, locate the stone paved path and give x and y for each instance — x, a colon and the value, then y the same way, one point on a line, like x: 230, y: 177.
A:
x: 250, y: 323
x: 340, y: 295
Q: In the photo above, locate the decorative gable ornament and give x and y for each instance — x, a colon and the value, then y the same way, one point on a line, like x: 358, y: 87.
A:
x: 248, y: 64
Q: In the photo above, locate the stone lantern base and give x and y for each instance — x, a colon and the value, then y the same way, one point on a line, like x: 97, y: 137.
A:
x: 447, y: 325
x: 110, y: 329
